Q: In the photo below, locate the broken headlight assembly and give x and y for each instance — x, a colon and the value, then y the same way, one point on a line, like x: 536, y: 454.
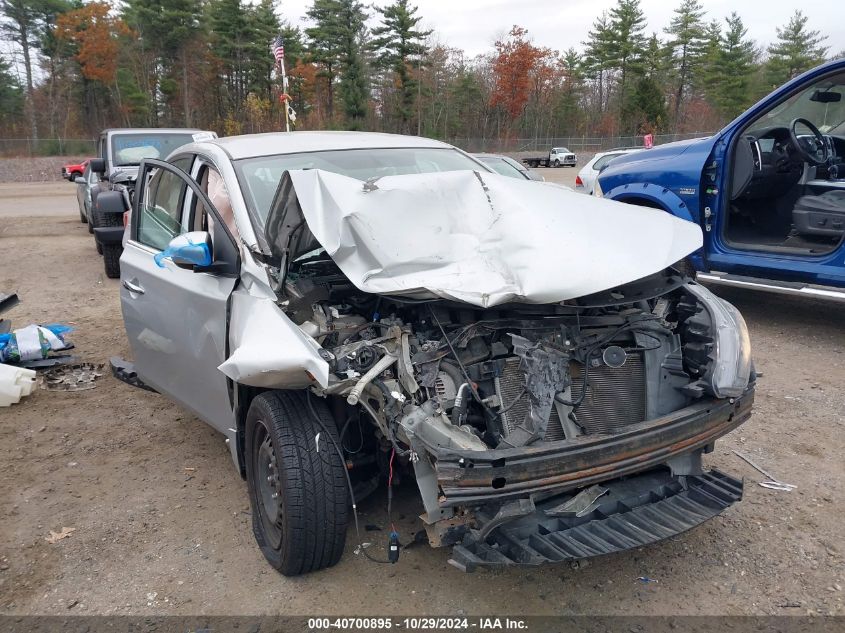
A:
x: 730, y: 353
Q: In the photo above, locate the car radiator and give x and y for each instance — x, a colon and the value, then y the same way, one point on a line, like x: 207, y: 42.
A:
x: 616, y: 397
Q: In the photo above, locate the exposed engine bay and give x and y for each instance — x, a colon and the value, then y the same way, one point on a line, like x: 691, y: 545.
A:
x: 432, y: 377
x: 506, y: 377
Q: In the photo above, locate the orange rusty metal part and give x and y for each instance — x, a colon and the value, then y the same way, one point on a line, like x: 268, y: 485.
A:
x: 592, y: 459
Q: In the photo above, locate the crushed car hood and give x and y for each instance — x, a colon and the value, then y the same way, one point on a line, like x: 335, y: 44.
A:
x: 480, y: 238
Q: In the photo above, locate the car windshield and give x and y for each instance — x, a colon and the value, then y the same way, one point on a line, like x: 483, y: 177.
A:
x: 822, y: 103
x: 260, y: 177
x: 561, y: 150
x: 502, y: 166
x: 604, y: 160
x: 130, y: 149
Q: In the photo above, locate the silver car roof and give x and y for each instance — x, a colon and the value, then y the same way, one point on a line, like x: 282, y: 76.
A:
x: 253, y: 145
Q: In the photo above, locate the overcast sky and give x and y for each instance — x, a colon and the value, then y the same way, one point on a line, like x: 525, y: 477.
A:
x: 474, y: 25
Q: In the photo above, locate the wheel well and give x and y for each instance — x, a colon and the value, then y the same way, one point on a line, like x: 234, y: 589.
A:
x: 244, y: 396
x: 642, y: 202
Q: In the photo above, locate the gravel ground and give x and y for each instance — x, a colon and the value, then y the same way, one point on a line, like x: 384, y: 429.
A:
x: 37, y: 169
x: 161, y: 523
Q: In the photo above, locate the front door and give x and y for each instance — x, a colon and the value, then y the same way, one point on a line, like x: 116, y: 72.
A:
x: 176, y: 319
x: 781, y: 208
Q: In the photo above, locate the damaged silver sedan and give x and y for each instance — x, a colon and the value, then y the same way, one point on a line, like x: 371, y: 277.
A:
x: 344, y: 307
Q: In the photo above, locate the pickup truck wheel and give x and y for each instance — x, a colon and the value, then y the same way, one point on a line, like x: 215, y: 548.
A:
x: 111, y: 259
x: 90, y: 223
x: 296, y: 481
x: 557, y: 163
x: 114, y: 250
x: 82, y: 217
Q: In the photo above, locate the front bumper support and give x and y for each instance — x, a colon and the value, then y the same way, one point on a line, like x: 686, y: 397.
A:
x: 637, y: 511
x: 473, y: 478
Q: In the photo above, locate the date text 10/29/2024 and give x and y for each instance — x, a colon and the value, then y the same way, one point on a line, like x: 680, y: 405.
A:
x: 418, y: 624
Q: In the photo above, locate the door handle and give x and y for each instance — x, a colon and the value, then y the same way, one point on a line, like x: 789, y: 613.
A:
x: 133, y: 287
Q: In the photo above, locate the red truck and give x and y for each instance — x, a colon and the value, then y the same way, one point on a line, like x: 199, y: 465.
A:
x: 72, y: 170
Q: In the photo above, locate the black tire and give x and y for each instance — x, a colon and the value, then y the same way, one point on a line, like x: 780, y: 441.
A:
x: 111, y: 259
x: 90, y: 222
x: 107, y: 219
x: 82, y: 217
x: 557, y: 163
x: 303, y: 528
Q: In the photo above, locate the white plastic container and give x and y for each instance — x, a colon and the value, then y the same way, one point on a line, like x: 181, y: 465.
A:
x: 15, y: 383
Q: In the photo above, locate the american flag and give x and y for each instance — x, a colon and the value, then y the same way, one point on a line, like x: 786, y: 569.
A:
x: 278, y: 49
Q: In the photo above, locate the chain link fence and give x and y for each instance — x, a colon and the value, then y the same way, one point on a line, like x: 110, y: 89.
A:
x: 586, y: 144
x: 27, y: 147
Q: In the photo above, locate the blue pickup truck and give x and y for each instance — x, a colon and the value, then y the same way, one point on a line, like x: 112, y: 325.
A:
x: 768, y: 190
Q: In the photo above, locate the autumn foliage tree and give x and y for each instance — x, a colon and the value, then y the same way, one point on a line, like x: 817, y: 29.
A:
x: 516, y: 58
x: 94, y: 35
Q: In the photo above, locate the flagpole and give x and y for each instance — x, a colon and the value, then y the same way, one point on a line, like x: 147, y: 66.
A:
x: 277, y: 49
x: 285, y: 92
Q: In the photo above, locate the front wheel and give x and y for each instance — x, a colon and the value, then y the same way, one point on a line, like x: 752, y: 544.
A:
x: 296, y: 481
x: 111, y: 259
x: 557, y: 163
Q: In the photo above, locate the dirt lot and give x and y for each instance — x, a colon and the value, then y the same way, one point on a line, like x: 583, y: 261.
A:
x: 161, y: 517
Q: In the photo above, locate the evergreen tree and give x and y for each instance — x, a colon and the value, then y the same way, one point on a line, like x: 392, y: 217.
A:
x: 167, y: 29
x: 264, y: 26
x: 11, y: 94
x: 27, y: 24
x: 598, y: 56
x: 231, y: 37
x: 627, y: 24
x: 707, y: 72
x: 324, y: 44
x: 736, y: 65
x: 399, y: 45
x: 567, y: 109
x: 644, y: 111
x: 354, y: 80
x: 687, y: 40
x: 797, y: 49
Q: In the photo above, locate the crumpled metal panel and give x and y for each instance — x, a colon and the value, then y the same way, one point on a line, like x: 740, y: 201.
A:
x: 484, y: 239
x: 268, y: 349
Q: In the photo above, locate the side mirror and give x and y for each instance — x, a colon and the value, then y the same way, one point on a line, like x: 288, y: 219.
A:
x: 98, y: 165
x: 79, y: 180
x: 189, y: 250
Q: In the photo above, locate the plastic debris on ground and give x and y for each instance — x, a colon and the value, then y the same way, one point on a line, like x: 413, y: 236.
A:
x: 33, y: 343
x: 772, y: 483
x: 77, y: 377
x: 15, y: 383
x: 646, y: 580
x: 58, y: 536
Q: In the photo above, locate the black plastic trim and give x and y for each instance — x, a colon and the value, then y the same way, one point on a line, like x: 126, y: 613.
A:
x: 646, y: 513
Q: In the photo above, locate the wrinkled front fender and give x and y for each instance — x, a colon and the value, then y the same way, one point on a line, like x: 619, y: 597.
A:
x: 268, y: 349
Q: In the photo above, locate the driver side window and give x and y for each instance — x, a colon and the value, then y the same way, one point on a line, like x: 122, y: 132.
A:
x: 160, y: 215
x: 159, y: 219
